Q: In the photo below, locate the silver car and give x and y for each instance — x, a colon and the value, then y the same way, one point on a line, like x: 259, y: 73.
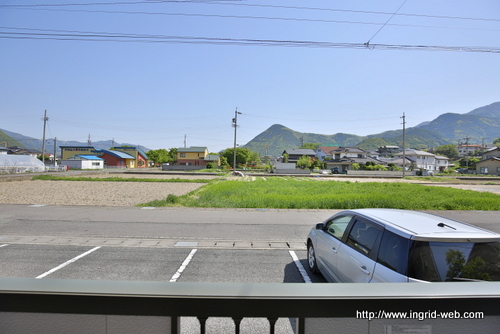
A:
x: 388, y: 245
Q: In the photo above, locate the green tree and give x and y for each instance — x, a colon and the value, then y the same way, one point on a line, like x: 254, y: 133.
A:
x: 162, y: 155
x: 448, y: 150
x: 304, y: 162
x: 158, y: 156
x: 172, y: 154
x: 496, y: 142
x: 317, y: 163
x: 223, y: 162
x: 468, y: 161
x: 312, y: 146
x: 244, y: 156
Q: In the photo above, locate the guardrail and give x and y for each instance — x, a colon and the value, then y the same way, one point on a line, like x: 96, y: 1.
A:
x: 77, y: 306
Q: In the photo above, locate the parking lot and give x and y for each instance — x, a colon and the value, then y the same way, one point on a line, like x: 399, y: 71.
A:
x: 168, y: 245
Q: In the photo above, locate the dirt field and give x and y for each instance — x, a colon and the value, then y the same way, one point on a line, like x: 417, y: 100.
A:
x: 92, y: 193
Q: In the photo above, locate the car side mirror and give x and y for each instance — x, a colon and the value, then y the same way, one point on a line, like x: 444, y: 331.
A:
x: 320, y: 226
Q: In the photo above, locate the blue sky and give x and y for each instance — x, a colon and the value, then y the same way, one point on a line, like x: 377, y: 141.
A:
x: 114, y: 83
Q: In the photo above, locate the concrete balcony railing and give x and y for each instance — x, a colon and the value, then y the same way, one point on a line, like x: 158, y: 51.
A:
x: 77, y: 306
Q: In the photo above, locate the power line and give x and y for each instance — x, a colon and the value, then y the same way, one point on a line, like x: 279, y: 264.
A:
x: 382, y: 27
x: 147, y: 38
x: 240, y: 3
x: 264, y: 18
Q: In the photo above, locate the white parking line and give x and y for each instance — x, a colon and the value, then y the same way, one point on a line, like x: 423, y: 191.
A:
x: 300, y: 267
x: 3, y: 245
x: 183, y: 266
x: 68, y: 262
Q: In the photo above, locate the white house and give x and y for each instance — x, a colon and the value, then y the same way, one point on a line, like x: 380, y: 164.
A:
x: 84, y: 162
x: 325, y: 152
x: 442, y: 163
x: 424, y: 160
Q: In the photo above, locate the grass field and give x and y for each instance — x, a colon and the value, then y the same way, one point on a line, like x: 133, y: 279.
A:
x: 307, y: 193
x: 114, y: 179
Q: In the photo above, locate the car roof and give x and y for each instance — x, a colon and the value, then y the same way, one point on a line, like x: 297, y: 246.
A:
x: 425, y: 226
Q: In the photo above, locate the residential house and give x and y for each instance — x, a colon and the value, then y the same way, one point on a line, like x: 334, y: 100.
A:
x: 295, y: 155
x: 492, y: 153
x: 388, y: 150
x: 141, y: 158
x: 213, y: 158
x: 117, y: 159
x: 465, y: 150
x: 398, y: 162
x: 490, y: 162
x: 81, y: 161
x: 192, y: 156
x: 424, y: 160
x: 24, y: 151
x: 325, y: 152
x: 345, y: 157
x: 442, y: 163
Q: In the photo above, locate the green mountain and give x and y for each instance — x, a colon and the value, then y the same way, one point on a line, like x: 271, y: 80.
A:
x: 33, y: 143
x: 7, y: 141
x: 481, y: 123
x: 478, y: 125
x: 490, y: 111
x: 278, y: 138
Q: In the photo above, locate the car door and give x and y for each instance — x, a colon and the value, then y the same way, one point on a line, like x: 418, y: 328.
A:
x: 328, y: 243
x: 356, y: 260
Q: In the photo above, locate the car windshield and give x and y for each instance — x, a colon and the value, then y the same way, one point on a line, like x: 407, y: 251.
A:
x: 454, y: 261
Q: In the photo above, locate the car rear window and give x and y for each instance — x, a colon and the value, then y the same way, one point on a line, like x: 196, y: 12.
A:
x: 454, y: 261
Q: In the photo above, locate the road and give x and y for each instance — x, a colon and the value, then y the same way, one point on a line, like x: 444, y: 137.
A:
x: 167, y: 244
x: 233, y: 245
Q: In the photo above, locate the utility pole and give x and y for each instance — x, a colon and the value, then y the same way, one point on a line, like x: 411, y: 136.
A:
x: 89, y: 141
x: 235, y: 124
x: 55, y: 146
x: 184, y: 141
x: 404, y: 149
x: 45, y: 119
x: 467, y: 153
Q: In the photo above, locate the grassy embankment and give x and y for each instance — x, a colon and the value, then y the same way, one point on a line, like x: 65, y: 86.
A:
x: 306, y: 193
x: 114, y: 179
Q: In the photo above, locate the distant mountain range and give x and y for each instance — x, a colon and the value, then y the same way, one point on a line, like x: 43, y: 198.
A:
x: 16, y: 139
x: 479, y: 125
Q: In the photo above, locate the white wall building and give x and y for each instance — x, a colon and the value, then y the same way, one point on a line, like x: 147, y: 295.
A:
x: 425, y: 160
x: 84, y: 162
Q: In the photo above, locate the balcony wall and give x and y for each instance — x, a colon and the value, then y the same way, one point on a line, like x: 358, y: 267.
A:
x: 76, y: 306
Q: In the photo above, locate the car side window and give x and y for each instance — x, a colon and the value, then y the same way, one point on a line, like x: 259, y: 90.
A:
x: 363, y: 236
x: 337, y: 226
x: 393, y: 252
